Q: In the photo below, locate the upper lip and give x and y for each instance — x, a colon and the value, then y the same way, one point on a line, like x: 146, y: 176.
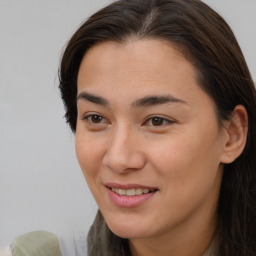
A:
x: 128, y: 186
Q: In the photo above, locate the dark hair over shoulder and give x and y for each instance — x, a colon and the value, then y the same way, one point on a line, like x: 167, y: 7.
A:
x: 206, y: 40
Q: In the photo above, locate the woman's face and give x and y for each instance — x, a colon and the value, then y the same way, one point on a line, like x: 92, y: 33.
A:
x: 147, y: 139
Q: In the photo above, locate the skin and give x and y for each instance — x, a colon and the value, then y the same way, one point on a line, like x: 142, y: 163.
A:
x: 181, y: 155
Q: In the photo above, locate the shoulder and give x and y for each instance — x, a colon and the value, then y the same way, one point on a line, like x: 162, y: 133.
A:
x: 43, y: 243
x: 40, y: 243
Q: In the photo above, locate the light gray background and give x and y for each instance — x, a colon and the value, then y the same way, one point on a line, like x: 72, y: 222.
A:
x: 41, y: 185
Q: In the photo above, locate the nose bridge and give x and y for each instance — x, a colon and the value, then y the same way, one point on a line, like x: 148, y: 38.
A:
x: 122, y: 152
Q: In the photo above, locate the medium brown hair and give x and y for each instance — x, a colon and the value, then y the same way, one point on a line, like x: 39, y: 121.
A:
x: 207, y: 41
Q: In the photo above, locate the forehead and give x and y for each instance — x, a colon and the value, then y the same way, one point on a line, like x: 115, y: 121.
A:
x: 137, y: 67
x: 146, y: 53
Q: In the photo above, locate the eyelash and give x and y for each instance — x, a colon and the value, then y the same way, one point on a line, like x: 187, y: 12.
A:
x: 89, y: 117
x: 161, y: 120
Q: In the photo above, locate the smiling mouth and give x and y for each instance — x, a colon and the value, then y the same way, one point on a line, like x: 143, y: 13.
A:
x: 132, y: 191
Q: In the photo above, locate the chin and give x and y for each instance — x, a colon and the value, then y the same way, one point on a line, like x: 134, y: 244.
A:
x: 128, y: 229
x: 128, y: 233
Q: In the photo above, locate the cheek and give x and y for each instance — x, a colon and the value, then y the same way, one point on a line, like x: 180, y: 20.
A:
x: 186, y: 161
x: 188, y: 172
x: 89, y: 153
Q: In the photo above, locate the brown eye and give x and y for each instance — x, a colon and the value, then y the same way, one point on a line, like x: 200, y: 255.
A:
x: 157, y: 121
x: 96, y: 119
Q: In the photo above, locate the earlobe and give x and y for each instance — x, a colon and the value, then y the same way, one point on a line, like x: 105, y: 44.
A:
x: 236, y: 130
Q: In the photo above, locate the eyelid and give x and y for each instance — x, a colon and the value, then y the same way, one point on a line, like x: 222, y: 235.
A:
x: 88, y: 115
x: 165, y: 119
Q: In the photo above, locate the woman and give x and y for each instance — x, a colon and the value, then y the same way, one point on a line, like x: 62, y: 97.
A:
x: 162, y: 105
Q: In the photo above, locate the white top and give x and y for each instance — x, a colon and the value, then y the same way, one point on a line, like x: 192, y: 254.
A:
x: 73, y: 245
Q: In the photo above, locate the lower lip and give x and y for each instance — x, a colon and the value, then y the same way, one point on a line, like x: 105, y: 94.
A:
x: 129, y: 201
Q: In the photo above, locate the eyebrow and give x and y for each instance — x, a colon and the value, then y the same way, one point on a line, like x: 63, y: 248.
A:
x: 92, y: 98
x: 143, y: 102
x: 156, y: 100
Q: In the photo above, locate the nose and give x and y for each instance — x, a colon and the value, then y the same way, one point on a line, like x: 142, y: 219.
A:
x: 124, y: 151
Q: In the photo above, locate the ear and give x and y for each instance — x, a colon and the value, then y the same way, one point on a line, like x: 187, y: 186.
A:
x: 236, y: 130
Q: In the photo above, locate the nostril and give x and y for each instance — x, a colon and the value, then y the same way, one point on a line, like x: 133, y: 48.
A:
x: 123, y: 161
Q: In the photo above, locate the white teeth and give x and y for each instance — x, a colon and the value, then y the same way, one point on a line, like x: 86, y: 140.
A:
x: 121, y: 192
x: 145, y: 190
x: 138, y: 191
x: 131, y: 192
